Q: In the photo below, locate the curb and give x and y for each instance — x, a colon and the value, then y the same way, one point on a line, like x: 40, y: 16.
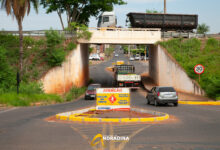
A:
x: 74, y: 116
x: 199, y: 103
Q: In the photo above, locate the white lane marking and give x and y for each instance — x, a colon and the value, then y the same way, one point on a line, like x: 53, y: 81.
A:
x: 4, y: 111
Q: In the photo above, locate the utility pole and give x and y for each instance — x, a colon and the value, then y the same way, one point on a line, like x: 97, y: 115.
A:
x: 165, y: 7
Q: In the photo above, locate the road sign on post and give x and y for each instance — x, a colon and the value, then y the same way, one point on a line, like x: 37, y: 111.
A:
x: 112, y: 99
x: 199, y: 69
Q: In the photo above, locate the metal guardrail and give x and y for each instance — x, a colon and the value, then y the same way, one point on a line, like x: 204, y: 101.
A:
x: 163, y: 34
x: 42, y: 32
x: 186, y: 35
x: 181, y: 35
x: 124, y: 29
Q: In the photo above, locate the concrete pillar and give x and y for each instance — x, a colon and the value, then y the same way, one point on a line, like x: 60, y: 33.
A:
x: 73, y: 72
x: 153, y: 63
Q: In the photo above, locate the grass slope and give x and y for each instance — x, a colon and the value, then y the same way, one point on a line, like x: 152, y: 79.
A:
x: 190, y: 52
x: 40, y: 54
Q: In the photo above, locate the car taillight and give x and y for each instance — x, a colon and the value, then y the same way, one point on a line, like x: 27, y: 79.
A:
x: 120, y: 84
x: 136, y: 83
x: 176, y: 94
x: 158, y: 93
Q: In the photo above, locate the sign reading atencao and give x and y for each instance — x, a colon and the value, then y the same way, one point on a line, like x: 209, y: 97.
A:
x: 112, y: 98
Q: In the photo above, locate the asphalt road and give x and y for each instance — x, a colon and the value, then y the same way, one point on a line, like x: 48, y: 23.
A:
x: 191, y: 127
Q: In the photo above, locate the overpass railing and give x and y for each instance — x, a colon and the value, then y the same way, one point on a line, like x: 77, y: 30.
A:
x: 163, y: 34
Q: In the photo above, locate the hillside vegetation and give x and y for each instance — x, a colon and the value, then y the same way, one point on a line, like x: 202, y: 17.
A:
x: 40, y: 54
x: 188, y: 53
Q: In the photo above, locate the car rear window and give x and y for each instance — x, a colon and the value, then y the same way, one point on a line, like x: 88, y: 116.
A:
x: 166, y: 89
x: 93, y: 87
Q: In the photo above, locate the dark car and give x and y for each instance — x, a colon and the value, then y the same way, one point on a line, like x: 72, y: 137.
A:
x: 162, y: 95
x: 91, y: 91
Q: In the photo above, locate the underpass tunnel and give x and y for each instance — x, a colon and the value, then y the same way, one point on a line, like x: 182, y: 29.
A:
x: 98, y: 66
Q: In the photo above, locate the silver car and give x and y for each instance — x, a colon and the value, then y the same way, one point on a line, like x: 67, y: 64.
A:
x: 162, y: 95
x: 131, y: 58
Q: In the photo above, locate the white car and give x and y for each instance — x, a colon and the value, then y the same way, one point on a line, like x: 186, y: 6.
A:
x: 131, y: 58
x: 94, y: 57
x: 137, y: 57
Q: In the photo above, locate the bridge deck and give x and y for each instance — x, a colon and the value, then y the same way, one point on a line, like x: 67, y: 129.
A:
x: 123, y: 36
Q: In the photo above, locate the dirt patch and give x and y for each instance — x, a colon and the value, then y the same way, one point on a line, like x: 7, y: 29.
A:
x: 117, y: 114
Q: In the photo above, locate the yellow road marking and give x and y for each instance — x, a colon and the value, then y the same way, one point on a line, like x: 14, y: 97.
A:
x: 112, y: 143
x: 83, y: 136
x: 122, y: 145
x: 103, y: 133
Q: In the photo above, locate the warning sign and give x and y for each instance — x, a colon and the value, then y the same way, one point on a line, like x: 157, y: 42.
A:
x: 112, y: 98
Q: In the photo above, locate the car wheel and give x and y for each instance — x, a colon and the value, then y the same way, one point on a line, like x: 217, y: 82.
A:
x: 175, y: 104
x: 86, y: 98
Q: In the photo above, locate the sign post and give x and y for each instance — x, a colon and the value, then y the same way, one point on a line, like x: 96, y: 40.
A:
x: 112, y: 99
x: 199, y: 69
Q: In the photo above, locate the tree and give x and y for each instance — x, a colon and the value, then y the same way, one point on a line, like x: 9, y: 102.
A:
x: 79, y: 10
x: 18, y: 9
x: 203, y: 29
x: 153, y: 11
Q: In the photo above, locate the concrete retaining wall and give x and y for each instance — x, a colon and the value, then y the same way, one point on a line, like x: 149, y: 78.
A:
x: 165, y: 71
x: 73, y: 72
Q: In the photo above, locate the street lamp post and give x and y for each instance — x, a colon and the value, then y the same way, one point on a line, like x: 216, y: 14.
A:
x: 165, y: 7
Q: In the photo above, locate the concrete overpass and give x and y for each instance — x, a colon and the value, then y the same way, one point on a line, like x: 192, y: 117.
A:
x: 123, y: 36
x: 162, y: 67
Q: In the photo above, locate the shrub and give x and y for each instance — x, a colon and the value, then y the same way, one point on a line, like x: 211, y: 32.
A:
x: 80, y: 31
x: 71, y: 46
x: 31, y: 88
x: 74, y: 93
x: 55, y: 51
x: 53, y: 38
x: 212, y: 44
x: 56, y: 57
x: 7, y: 75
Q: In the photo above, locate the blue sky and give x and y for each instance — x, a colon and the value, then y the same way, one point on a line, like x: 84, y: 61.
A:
x: 208, y: 11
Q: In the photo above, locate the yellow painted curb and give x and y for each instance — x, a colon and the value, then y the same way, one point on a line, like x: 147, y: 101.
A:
x: 130, y: 119
x: 91, y: 119
x: 110, y: 120
x: 63, y: 117
x: 147, y: 119
x: 199, y: 103
x: 86, y: 118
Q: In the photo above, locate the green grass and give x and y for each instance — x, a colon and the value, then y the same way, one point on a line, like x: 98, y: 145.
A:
x: 28, y: 99
x: 74, y: 93
x: 14, y: 99
x: 188, y: 53
x: 35, y: 65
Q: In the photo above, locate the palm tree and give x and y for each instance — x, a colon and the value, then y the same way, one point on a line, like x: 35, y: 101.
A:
x: 18, y: 9
x: 203, y: 28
